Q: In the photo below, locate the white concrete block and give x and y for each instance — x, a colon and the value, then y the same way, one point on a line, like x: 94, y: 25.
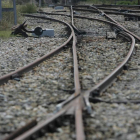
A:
x: 46, y: 32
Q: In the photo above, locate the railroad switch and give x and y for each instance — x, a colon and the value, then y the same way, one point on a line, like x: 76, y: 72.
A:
x: 20, y: 30
x: 37, y: 32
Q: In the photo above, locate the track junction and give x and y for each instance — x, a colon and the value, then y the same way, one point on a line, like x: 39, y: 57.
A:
x: 87, y: 78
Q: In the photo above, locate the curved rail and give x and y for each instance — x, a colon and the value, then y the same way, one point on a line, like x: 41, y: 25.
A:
x: 108, y: 12
x: 113, y: 5
x: 100, y: 87
x: 111, y: 23
x: 76, y: 102
x: 111, y: 77
x: 101, y: 12
x: 120, y: 10
x: 78, y: 108
x: 116, y: 22
x: 27, y: 68
x: 72, y: 21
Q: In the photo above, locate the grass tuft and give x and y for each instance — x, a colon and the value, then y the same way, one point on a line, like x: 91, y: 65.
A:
x: 5, y: 34
x: 8, y: 17
x: 28, y: 8
x: 124, y: 2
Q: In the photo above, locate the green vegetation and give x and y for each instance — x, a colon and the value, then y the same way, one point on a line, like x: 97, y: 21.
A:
x: 5, y: 34
x: 7, y: 20
x: 134, y: 2
x: 8, y: 17
x: 28, y: 8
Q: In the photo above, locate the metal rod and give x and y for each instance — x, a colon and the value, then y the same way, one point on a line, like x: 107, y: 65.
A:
x: 15, y: 12
x: 39, y: 3
x: 0, y: 11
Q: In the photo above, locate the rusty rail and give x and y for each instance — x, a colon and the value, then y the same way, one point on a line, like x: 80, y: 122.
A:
x: 113, y: 5
x: 27, y: 68
x: 78, y: 111
x: 108, y: 12
x: 20, y: 131
x: 100, y: 87
x: 72, y: 21
x: 80, y: 135
x: 119, y: 10
x: 76, y: 102
x: 116, y: 23
x: 111, y: 77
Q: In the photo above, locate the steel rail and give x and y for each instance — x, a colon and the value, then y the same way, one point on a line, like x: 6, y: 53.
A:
x: 137, y: 37
x: 78, y: 111
x: 101, y: 21
x: 110, y: 78
x: 39, y: 128
x: 104, y: 5
x: 75, y: 61
x: 47, y: 13
x: 119, y: 9
x: 80, y: 135
x: 72, y: 20
x: 83, y: 17
x: 108, y: 12
x: 113, y: 5
x: 96, y: 100
x: 108, y: 22
x: 100, y: 5
x: 122, y: 28
x: 107, y: 81
x: 28, y: 67
x: 44, y: 126
x: 77, y: 100
x: 21, y: 130
x: 100, y: 87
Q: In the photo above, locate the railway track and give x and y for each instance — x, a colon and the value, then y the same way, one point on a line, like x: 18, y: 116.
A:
x: 84, y: 74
